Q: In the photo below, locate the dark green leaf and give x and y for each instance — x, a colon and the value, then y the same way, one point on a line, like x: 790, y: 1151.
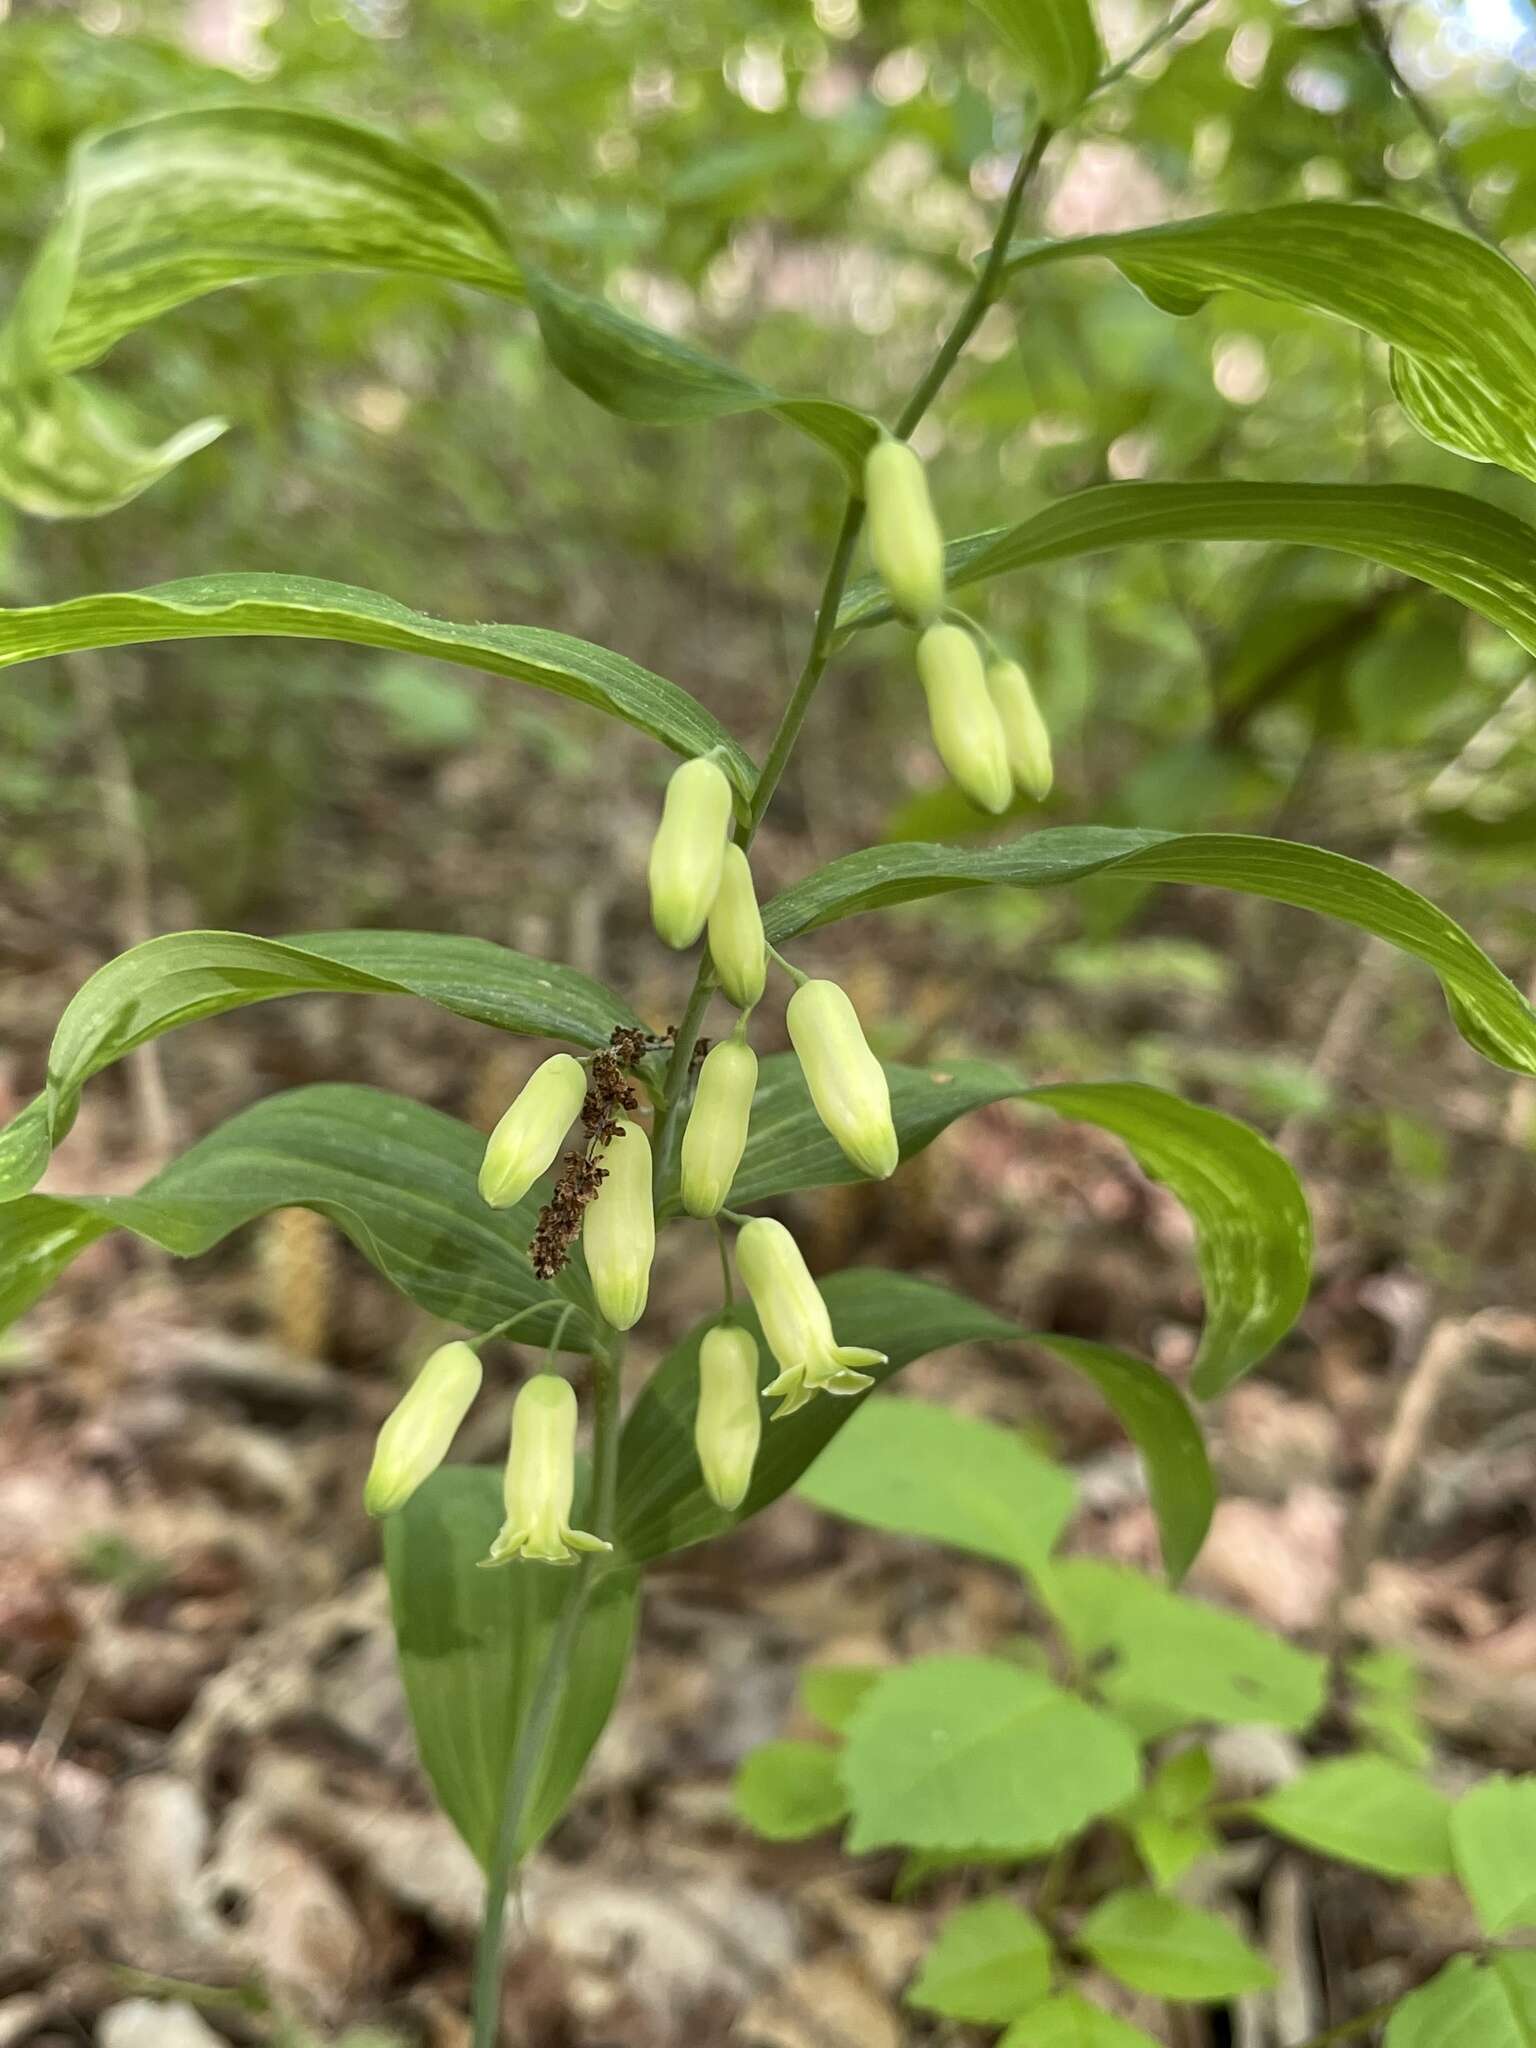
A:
x: 663, y: 1505
x: 789, y: 1790
x: 1473, y: 552
x: 990, y: 1961
x: 1159, y: 1945
x: 473, y: 1643
x: 971, y: 1752
x: 300, y: 608
x: 642, y: 374
x: 1366, y: 1810
x: 1058, y: 46
x: 1253, y: 1231
x: 396, y: 1177
x: 1490, y: 1012
x: 187, y: 976
x: 1461, y: 318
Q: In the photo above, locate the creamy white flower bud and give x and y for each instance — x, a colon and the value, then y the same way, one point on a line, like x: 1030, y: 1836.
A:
x: 414, y: 1440
x: 688, y: 851
x: 524, y: 1144
x: 716, y: 1135
x: 618, y: 1232
x: 967, y: 730
x: 847, y: 1083
x: 1025, y: 731
x: 795, y: 1320
x: 540, y: 1481
x: 736, y: 943
x: 729, y: 1423
x: 905, y: 542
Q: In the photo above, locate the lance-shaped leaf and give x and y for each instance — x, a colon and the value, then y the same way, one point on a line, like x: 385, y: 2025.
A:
x: 662, y: 1502
x: 187, y: 976
x: 1489, y: 1011
x: 1254, y: 1236
x: 302, y: 608
x: 1460, y: 317
x: 1058, y: 46
x: 397, y: 1178
x: 165, y: 210
x: 68, y: 451
x: 473, y: 1645
x: 1474, y: 553
x: 642, y: 374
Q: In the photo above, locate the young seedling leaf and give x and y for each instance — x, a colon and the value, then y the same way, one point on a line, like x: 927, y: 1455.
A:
x: 1366, y: 1810
x: 1159, y: 1945
x: 1069, y: 2021
x: 790, y: 1790
x: 990, y: 1962
x: 1490, y: 2004
x: 1493, y: 1842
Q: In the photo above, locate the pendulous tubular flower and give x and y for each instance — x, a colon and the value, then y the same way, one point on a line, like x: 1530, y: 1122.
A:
x: 905, y: 541
x: 966, y: 725
x: 847, y: 1083
x: 618, y: 1232
x: 736, y: 943
x: 716, y: 1135
x: 795, y: 1320
x: 414, y: 1440
x: 688, y: 851
x: 1025, y: 732
x: 523, y: 1145
x: 729, y: 1424
x: 540, y: 1481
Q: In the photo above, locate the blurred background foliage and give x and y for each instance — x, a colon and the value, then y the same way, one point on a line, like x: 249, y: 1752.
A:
x: 800, y: 187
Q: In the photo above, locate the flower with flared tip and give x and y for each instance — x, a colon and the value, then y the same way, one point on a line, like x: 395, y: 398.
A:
x: 540, y: 1481
x: 728, y: 1425
x: 1025, y: 731
x: 688, y: 852
x: 736, y: 943
x: 525, y: 1142
x: 716, y: 1135
x: 795, y: 1320
x: 966, y: 725
x: 905, y: 542
x: 414, y: 1440
x: 847, y: 1083
x: 618, y: 1232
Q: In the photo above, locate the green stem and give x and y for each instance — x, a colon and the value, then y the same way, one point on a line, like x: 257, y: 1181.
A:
x: 824, y: 631
x: 1351, y: 2030
x: 725, y: 1265
x: 1163, y: 33
x: 531, y: 1745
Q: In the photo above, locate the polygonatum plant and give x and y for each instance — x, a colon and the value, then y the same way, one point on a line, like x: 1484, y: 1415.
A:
x: 515, y: 1595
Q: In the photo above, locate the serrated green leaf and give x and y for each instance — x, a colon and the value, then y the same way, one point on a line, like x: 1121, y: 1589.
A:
x: 662, y: 1502
x: 1491, y: 2004
x: 639, y: 373
x: 1472, y: 552
x: 187, y: 976
x: 1253, y: 1233
x: 1058, y: 46
x: 921, y: 1470
x: 397, y: 1178
x: 989, y: 1962
x: 965, y: 1752
x: 1488, y: 1010
x: 791, y: 1790
x: 472, y: 1645
x: 1493, y: 1842
x: 303, y: 608
x: 1366, y: 1810
x: 1159, y: 1945
x: 830, y: 1692
x: 1166, y: 1661
x: 1460, y: 317
x: 1071, y: 2022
